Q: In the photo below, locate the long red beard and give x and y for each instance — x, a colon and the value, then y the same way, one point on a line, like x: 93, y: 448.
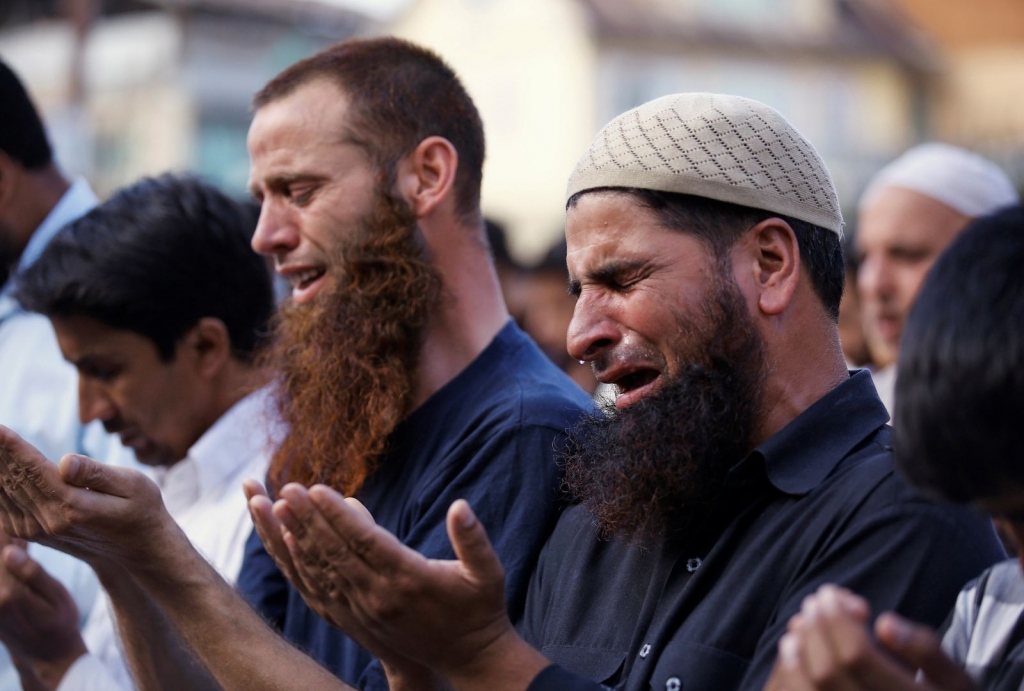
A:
x: 347, y: 361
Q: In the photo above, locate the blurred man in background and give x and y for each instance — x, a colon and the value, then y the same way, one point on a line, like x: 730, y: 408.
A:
x: 911, y: 210
x: 38, y: 396
x: 960, y: 395
x: 159, y: 302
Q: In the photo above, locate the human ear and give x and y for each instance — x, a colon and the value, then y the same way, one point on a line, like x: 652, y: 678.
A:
x: 208, y: 344
x: 427, y: 175
x: 776, y: 264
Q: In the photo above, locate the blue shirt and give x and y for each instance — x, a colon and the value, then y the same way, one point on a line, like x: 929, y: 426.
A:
x: 489, y: 437
x: 819, y: 502
x: 39, y: 398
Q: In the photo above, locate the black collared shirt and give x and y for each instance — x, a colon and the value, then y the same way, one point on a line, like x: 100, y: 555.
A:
x: 817, y: 503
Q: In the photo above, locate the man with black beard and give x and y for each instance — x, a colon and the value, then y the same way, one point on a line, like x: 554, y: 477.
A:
x: 402, y: 379
x: 740, y: 467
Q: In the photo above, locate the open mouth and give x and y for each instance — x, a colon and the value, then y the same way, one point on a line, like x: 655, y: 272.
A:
x: 305, y: 283
x: 635, y: 385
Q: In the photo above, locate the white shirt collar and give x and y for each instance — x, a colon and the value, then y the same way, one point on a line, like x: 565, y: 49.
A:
x: 240, y: 435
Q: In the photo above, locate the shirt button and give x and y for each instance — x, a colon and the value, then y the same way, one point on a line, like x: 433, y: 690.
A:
x: 692, y: 565
x: 645, y: 650
x: 673, y: 684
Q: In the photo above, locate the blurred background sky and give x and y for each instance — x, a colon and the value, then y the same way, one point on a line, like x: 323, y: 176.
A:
x: 134, y: 87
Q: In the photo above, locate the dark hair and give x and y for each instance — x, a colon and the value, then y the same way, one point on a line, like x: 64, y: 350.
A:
x: 156, y: 258
x: 960, y: 387
x: 22, y: 136
x: 553, y: 260
x: 400, y: 95
x: 720, y: 224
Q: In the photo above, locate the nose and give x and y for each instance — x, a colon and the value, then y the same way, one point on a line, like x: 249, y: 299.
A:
x: 94, y: 403
x: 276, y: 232
x: 874, y: 279
x: 591, y: 331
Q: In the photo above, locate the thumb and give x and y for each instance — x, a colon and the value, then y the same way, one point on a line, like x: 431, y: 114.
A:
x: 84, y: 472
x: 27, y: 570
x: 472, y: 546
x: 920, y: 648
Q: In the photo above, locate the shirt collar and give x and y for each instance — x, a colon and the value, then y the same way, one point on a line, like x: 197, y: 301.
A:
x: 76, y: 202
x: 233, y: 440
x: 801, y: 455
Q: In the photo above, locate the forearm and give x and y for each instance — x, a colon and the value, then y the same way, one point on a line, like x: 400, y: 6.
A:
x: 230, y: 640
x: 158, y: 657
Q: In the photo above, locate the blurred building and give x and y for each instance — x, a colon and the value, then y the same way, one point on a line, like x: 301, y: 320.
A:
x: 852, y: 75
x: 134, y: 87
x: 977, y: 100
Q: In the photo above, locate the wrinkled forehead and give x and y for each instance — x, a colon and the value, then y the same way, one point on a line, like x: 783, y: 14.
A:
x: 315, y: 113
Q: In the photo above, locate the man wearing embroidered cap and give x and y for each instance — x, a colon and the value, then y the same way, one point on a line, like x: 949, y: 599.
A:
x: 909, y: 213
x: 739, y: 467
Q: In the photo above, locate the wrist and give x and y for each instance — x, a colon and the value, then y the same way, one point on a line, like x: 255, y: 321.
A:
x: 508, y: 663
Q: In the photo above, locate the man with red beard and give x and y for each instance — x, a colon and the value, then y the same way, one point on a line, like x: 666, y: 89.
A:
x: 740, y: 467
x: 402, y: 379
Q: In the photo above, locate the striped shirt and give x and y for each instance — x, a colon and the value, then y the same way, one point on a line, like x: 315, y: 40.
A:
x: 986, y: 634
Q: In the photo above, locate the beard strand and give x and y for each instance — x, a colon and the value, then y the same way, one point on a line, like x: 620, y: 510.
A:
x: 646, y: 471
x: 347, y: 362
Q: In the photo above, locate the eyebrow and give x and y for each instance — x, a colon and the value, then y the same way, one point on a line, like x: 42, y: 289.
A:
x: 283, y: 180
x: 606, y: 274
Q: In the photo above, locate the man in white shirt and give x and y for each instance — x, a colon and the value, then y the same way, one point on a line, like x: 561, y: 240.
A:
x: 909, y: 213
x: 38, y: 397
x: 158, y: 301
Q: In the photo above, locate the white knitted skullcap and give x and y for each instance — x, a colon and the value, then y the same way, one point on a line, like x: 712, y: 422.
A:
x: 726, y: 148
x: 960, y: 179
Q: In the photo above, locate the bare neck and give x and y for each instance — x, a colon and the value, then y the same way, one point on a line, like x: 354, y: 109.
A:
x: 803, y: 366
x: 472, y: 310
x: 41, y: 191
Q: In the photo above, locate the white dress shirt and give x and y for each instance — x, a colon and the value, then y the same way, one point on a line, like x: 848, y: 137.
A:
x: 39, y: 398
x: 885, y: 384
x: 203, y: 493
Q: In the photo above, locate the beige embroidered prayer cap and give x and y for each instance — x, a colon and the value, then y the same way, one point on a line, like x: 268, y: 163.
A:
x: 721, y: 147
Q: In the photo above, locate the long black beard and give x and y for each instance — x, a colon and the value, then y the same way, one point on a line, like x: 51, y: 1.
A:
x: 645, y: 471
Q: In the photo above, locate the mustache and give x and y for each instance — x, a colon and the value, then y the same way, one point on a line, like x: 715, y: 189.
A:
x: 646, y: 471
x: 115, y: 425
x: 347, y: 360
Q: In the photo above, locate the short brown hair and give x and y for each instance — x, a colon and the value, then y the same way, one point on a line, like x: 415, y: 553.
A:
x: 401, y: 94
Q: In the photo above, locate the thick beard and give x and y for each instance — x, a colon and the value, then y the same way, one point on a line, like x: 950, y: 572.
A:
x: 347, y: 361
x: 646, y: 471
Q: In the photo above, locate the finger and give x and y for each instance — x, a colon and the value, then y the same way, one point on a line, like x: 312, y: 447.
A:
x: 28, y: 480
x: 306, y: 568
x: 789, y: 674
x: 268, y: 527
x: 472, y: 546
x: 359, y: 508
x: 850, y: 603
x: 253, y: 488
x: 295, y: 509
x: 86, y: 473
x: 818, y: 659
x: 315, y: 547
x: 840, y: 653
x: 369, y: 549
x: 920, y: 648
x: 27, y: 570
